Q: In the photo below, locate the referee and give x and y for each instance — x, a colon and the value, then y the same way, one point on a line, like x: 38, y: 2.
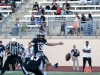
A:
x: 2, y: 48
x: 12, y: 49
x: 86, y: 56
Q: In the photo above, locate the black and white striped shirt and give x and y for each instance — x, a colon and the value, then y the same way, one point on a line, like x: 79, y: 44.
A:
x: 14, y: 49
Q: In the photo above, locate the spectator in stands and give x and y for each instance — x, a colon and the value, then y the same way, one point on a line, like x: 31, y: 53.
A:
x: 17, y: 24
x: 89, y: 24
x: 95, y: 2
x: 3, y: 3
x: 42, y: 17
x: 63, y: 25
x: 13, y: 6
x: 1, y: 16
x: 83, y: 2
x: 63, y: 12
x: 54, y: 6
x: 67, y: 5
x: 24, y: 26
x: 41, y: 10
x: 43, y: 26
x: 33, y: 20
x: 36, y: 6
x: 76, y: 24
x: 58, y: 11
x: 83, y: 23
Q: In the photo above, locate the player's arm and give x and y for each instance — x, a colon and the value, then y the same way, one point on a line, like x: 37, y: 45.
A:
x: 54, y: 44
x: 32, y: 43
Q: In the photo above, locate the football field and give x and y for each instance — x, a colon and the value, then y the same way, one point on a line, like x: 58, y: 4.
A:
x: 54, y: 73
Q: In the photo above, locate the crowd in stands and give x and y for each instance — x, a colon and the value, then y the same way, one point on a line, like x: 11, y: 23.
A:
x: 64, y: 10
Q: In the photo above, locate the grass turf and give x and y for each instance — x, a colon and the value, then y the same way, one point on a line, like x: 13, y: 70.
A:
x: 54, y: 73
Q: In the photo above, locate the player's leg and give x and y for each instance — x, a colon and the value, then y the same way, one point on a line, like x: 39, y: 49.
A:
x: 48, y: 64
x: 89, y: 62
x: 84, y: 62
x: 13, y: 64
x: 22, y: 66
x: 6, y: 64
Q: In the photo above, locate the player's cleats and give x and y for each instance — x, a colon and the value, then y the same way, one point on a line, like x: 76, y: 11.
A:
x: 56, y: 65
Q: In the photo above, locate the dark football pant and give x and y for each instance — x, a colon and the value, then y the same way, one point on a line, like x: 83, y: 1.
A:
x: 84, y: 62
x: 1, y: 62
x: 10, y: 58
x: 13, y: 62
x: 33, y: 67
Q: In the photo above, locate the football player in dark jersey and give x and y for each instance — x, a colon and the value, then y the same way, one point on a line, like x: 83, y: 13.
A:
x: 35, y: 65
x: 38, y: 44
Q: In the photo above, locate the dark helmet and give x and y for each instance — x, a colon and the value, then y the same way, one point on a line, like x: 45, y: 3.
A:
x: 40, y: 33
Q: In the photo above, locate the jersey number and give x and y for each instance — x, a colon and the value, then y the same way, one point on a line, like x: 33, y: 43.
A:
x: 40, y: 47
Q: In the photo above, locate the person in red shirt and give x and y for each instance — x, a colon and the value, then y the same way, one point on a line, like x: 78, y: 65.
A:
x: 58, y: 11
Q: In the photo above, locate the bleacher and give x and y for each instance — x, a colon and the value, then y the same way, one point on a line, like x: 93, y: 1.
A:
x: 25, y: 11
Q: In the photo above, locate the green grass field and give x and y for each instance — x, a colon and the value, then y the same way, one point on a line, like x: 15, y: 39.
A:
x: 54, y: 73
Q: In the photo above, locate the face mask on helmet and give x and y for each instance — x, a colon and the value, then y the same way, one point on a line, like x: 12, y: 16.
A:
x: 40, y: 36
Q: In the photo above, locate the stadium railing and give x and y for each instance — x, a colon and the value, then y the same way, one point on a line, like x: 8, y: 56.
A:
x: 53, y: 29
x: 73, y: 11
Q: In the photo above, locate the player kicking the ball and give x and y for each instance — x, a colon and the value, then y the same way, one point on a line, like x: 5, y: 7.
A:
x: 38, y: 44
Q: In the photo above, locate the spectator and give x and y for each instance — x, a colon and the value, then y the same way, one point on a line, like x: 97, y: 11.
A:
x: 54, y: 6
x: 33, y: 20
x: 3, y: 3
x: 83, y: 2
x: 41, y: 10
x: 58, y: 11
x: 43, y: 27
x: 76, y: 24
x: 63, y: 25
x: 89, y: 24
x: 1, y: 17
x: 24, y: 26
x: 36, y: 6
x: 75, y: 54
x: 67, y: 5
x: 13, y: 6
x: 95, y: 2
x: 63, y: 12
x: 42, y: 17
x: 83, y: 23
x: 17, y: 23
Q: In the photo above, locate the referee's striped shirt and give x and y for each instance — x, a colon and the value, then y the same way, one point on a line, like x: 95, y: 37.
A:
x: 14, y: 49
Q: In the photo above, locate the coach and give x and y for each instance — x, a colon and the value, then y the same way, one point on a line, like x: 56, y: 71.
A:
x: 13, y: 51
x: 86, y: 56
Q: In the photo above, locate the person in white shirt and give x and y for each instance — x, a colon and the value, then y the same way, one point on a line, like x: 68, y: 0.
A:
x: 27, y: 56
x: 86, y: 56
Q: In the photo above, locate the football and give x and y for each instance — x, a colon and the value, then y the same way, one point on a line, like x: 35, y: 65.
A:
x: 68, y: 56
